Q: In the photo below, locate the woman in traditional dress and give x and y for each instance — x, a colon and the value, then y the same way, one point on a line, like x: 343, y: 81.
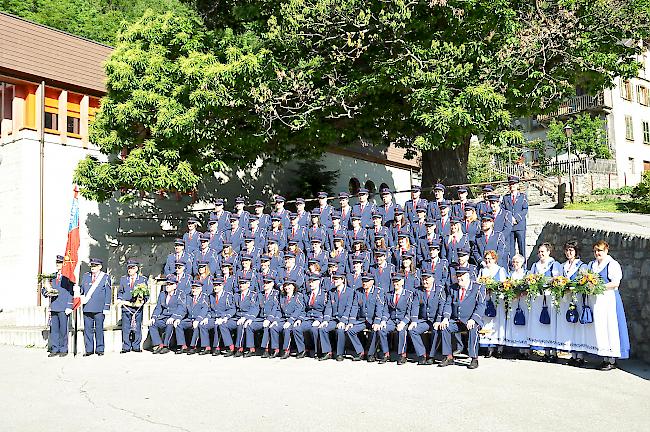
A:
x: 610, y: 324
x: 516, y: 329
x: 570, y: 333
x: 542, y: 319
x: 494, y: 319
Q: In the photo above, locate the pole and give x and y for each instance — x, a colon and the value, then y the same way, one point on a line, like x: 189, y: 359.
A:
x: 570, y: 160
x: 40, y: 189
x: 74, y: 336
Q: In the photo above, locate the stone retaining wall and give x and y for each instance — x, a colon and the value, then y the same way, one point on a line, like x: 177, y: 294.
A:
x: 633, y: 253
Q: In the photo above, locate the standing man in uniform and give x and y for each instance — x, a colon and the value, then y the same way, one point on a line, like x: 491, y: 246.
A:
x: 517, y: 204
x: 131, y: 313
x: 325, y: 210
x: 60, y: 309
x: 96, y: 300
x: 364, y: 209
x: 412, y: 204
x: 191, y: 237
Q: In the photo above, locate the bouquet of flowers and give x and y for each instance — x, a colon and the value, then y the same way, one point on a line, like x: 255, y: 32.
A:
x: 589, y: 283
x: 510, y: 289
x: 559, y: 286
x: 138, y: 294
x: 46, y: 281
x: 491, y: 286
x: 535, y: 283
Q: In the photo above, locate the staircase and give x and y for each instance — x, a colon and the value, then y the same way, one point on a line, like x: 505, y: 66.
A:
x: 540, y: 188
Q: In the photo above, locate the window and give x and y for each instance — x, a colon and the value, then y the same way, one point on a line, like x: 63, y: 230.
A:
x: 51, y: 121
x: 629, y: 128
x: 6, y: 107
x: 73, y: 125
x: 383, y: 186
x: 626, y: 90
x: 642, y: 95
x: 631, y: 165
x: 354, y: 185
x: 646, y: 133
x: 646, y: 165
x: 370, y: 185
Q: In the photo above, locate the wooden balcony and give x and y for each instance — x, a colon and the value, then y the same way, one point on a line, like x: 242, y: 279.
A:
x: 576, y: 105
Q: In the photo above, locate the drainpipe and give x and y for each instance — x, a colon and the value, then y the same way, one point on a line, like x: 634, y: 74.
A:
x: 40, y: 189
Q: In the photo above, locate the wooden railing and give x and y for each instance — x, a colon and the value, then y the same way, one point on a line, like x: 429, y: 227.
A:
x: 575, y: 105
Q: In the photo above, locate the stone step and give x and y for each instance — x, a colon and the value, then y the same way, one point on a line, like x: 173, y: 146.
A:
x: 37, y: 337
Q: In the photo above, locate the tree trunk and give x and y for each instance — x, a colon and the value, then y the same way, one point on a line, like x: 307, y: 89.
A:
x: 446, y: 166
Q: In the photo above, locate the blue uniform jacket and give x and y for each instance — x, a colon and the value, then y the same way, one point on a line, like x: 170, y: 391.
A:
x: 192, y: 241
x: 269, y: 305
x: 101, y: 297
x: 247, y: 307
x: 340, y: 305
x: 345, y: 217
x: 326, y: 216
x: 223, y: 220
x: 165, y: 310
x: 382, y: 276
x: 518, y: 208
x: 292, y: 309
x: 365, y: 213
x: 367, y: 307
x: 215, y: 243
x: 443, y: 227
x: 331, y: 233
x: 440, y: 270
x: 410, y: 206
x: 496, y: 242
x: 297, y: 234
x: 472, y: 306
x: 208, y: 255
x: 429, y: 306
x: 279, y: 236
x: 315, y: 311
x: 472, y: 229
x: 224, y: 308
x: 184, y: 283
x: 402, y: 229
x: 400, y: 311
x: 63, y: 300
x: 124, y: 292
x: 451, y: 247
x: 458, y: 210
x: 384, y: 232
x: 235, y: 237
x: 264, y: 221
x: 170, y: 264
x: 503, y: 223
x: 193, y: 308
x: 387, y: 212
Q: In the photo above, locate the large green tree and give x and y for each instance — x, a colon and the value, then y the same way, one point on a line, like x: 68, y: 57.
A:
x: 285, y: 79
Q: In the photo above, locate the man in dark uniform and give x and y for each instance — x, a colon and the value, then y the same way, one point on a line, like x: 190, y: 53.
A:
x: 483, y: 206
x: 188, y: 315
x: 387, y: 208
x: 221, y: 216
x: 337, y: 317
x: 301, y: 214
x: 426, y: 316
x: 364, y: 208
x: 458, y: 209
x: 325, y: 210
x: 517, y: 204
x: 222, y: 308
x: 489, y: 239
x: 96, y: 300
x: 345, y: 211
x: 178, y: 255
x: 434, y: 206
x: 264, y: 219
x: 463, y: 311
x: 191, y: 237
x: 412, y: 204
x: 395, y: 318
x: 366, y: 314
x: 131, y: 312
x: 162, y: 317
x: 60, y: 308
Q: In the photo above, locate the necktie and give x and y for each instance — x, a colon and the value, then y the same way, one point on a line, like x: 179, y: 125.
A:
x: 169, y: 297
x: 131, y: 283
x: 242, y: 296
x: 293, y: 232
x: 194, y: 300
x: 93, y: 279
x: 514, y: 198
x: 218, y: 297
x: 428, y: 293
x: 312, y: 299
x: 288, y: 299
x: 462, y: 294
x: 58, y: 277
x: 396, y: 299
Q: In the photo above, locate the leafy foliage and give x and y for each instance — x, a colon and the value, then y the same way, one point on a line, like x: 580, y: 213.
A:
x: 96, y: 20
x: 589, y: 136
x: 625, y: 190
x: 309, y: 178
x: 480, y: 161
x: 282, y: 80
x: 641, y: 193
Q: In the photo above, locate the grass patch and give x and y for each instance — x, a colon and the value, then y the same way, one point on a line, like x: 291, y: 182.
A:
x: 608, y: 205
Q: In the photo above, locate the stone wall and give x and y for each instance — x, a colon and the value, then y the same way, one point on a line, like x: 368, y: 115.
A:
x: 633, y: 253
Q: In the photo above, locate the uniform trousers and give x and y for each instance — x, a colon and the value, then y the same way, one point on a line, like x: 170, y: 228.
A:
x: 186, y: 323
x: 325, y: 342
x: 226, y: 329
x: 94, y: 332
x: 127, y: 326
x: 286, y: 335
x: 416, y: 338
x: 353, y: 334
x: 456, y: 327
x: 253, y: 328
x: 299, y: 334
x: 391, y: 326
x: 59, y: 332
x: 154, y: 332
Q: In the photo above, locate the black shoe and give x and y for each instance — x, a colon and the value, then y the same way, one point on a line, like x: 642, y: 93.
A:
x: 489, y: 354
x: 249, y: 353
x: 156, y: 349
x: 430, y: 361
x: 239, y: 353
x: 458, y: 352
x: 339, y: 358
x: 286, y: 355
x: 191, y: 351
x: 181, y: 351
x: 229, y: 353
x: 581, y: 363
x: 498, y: 354
x: 53, y: 354
x: 215, y: 352
x: 163, y: 350
x: 572, y: 362
x: 327, y: 356
x: 552, y: 359
x: 473, y: 364
x: 300, y: 355
x: 401, y: 360
x: 357, y: 357
x: 88, y: 354
x: 124, y: 351
x: 274, y: 354
x: 265, y: 354
x: 522, y: 356
x: 607, y: 366
x: 63, y: 354
x: 446, y: 362
x: 100, y: 354
x: 137, y: 350
x: 371, y: 358
x: 205, y: 352
x: 422, y: 361
x: 384, y: 359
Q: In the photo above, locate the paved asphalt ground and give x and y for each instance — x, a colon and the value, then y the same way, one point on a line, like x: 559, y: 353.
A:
x: 141, y: 392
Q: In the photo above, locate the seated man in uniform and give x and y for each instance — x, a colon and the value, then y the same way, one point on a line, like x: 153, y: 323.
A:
x: 161, y: 318
x: 463, y: 311
x: 188, y: 316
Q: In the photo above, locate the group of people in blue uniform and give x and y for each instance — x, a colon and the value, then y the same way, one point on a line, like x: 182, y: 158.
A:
x: 256, y: 282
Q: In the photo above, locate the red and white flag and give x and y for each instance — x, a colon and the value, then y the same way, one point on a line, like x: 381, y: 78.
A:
x: 71, y: 258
